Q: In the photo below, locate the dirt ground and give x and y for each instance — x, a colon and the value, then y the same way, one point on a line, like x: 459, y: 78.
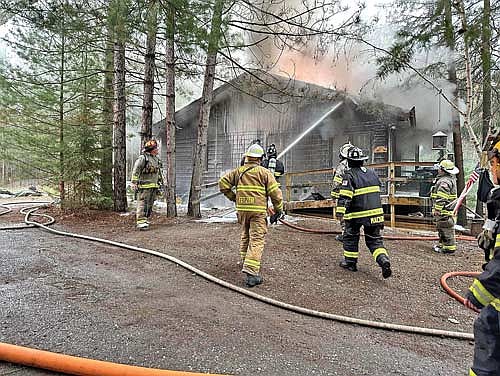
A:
x: 92, y: 300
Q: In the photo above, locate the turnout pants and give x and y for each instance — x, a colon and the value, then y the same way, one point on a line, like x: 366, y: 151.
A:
x: 486, y: 343
x: 253, y: 232
x: 373, y: 240
x: 446, y: 232
x: 145, y: 200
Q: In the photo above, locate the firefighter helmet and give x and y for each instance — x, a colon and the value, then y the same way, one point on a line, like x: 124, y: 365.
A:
x: 150, y: 145
x: 494, y: 151
x: 344, y: 149
x: 271, y: 151
x: 255, y: 151
x: 448, y: 166
x: 356, y: 154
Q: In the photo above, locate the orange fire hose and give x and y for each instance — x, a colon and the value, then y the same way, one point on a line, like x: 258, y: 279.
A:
x: 449, y: 290
x: 73, y: 365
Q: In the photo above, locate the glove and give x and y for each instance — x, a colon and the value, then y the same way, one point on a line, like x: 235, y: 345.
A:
x: 485, y: 240
x: 469, y: 305
x: 276, y: 216
x: 133, y: 187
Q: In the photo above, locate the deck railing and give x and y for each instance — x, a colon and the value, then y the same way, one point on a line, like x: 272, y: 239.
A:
x: 402, y: 184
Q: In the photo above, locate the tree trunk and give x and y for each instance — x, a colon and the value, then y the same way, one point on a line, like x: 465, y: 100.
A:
x: 149, y: 72
x: 170, y: 113
x: 119, y: 129
x: 106, y: 175
x: 455, y: 116
x: 204, y: 113
x: 486, y: 70
x: 486, y: 67
x: 62, y: 193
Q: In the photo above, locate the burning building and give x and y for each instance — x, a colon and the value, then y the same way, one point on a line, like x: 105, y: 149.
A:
x: 279, y: 110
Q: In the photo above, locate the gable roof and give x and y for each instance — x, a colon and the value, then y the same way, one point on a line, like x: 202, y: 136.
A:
x: 259, y: 84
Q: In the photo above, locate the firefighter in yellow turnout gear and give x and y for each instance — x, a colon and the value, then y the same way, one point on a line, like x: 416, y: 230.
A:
x: 253, y: 186
x: 484, y: 294
x: 443, y: 194
x: 146, y: 180
x: 360, y: 204
x: 338, y: 177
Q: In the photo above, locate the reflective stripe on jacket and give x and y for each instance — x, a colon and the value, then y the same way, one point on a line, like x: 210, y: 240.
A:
x: 443, y: 193
x: 359, y: 196
x: 486, y: 287
x: 146, y: 171
x: 338, y: 177
x: 254, y: 184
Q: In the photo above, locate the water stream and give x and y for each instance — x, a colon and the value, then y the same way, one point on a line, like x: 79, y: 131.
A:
x: 309, y: 129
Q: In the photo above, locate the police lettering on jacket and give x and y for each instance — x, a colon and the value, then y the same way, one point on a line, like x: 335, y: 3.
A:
x: 359, y: 196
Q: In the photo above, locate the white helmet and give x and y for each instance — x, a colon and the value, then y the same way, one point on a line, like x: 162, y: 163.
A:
x: 255, y: 150
x: 448, y: 166
x: 344, y: 149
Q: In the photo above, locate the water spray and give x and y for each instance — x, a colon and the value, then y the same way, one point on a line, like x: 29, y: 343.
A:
x: 309, y: 129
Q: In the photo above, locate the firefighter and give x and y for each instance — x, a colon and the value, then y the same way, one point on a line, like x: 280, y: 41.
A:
x: 359, y: 205
x: 338, y: 176
x: 484, y: 294
x: 255, y: 141
x: 273, y: 164
x: 253, y: 185
x: 146, y: 181
x: 443, y: 195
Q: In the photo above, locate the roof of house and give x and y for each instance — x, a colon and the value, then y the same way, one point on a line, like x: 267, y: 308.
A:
x: 259, y: 84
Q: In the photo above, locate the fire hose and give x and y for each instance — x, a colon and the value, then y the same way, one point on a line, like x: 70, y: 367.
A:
x: 389, y: 237
x: 44, y: 360
x: 450, y: 291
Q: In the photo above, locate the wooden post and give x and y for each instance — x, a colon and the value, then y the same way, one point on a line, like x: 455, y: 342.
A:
x: 391, y: 194
x: 288, y: 182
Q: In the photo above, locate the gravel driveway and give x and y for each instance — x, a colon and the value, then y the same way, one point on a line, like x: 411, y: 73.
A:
x: 91, y: 300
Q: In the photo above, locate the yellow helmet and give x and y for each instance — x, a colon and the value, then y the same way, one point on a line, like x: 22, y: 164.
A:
x: 255, y: 151
x: 494, y: 151
x: 448, y: 166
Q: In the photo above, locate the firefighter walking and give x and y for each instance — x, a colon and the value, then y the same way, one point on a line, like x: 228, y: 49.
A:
x: 360, y: 206
x: 253, y: 185
x: 443, y: 194
x: 146, y: 180
x: 484, y: 294
x: 338, y: 177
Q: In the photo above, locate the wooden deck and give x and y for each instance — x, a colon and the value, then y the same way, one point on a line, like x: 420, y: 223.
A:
x: 393, y: 199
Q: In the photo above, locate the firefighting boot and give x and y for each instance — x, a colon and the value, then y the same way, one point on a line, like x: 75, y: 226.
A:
x: 253, y: 280
x: 437, y: 248
x: 349, y: 265
x: 385, y: 264
x: 142, y: 226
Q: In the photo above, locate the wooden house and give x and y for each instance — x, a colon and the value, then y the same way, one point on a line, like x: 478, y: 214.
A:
x: 278, y: 110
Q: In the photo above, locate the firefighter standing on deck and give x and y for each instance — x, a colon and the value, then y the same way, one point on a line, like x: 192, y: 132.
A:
x: 484, y: 293
x: 360, y: 205
x: 146, y: 179
x: 338, y: 177
x: 272, y: 163
x: 443, y: 193
x: 253, y: 184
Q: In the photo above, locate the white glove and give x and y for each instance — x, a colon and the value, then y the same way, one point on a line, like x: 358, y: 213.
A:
x: 489, y: 225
